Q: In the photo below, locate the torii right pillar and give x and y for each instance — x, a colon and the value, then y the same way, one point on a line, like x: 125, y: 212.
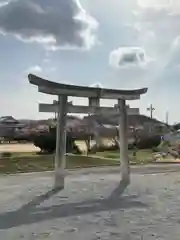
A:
x: 123, y: 135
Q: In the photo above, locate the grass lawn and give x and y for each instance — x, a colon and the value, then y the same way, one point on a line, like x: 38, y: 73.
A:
x: 31, y: 162
x: 38, y: 163
x: 142, y: 156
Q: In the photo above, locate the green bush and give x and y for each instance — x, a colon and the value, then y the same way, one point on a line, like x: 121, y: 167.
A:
x: 6, y: 154
x: 131, y: 146
x: 155, y: 149
x: 104, y: 148
x: 47, y: 143
x: 149, y: 142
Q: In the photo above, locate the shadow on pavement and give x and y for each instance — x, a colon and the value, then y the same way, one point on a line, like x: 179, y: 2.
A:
x: 117, y: 192
x: 32, y: 213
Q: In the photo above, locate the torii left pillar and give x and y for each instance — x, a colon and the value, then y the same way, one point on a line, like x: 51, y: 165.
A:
x: 123, y: 135
x: 60, y: 157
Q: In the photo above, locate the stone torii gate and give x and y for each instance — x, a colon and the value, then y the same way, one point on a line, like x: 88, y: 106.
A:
x: 94, y: 95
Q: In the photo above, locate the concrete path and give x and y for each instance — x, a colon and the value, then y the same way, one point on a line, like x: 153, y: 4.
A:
x: 148, y: 209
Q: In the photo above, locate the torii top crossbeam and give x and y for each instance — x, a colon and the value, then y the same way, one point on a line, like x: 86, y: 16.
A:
x: 53, y: 88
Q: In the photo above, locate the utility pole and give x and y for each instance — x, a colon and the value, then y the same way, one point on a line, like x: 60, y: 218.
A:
x: 167, y: 117
x: 151, y: 109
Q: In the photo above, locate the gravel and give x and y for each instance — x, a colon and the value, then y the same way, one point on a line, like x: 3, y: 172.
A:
x: 85, y: 210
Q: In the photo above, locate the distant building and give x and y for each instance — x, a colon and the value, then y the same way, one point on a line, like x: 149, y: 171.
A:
x: 8, y: 120
x: 8, y: 126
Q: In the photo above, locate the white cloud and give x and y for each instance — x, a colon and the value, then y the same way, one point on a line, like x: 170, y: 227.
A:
x: 157, y: 25
x: 34, y: 69
x: 173, y: 6
x: 55, y: 24
x: 176, y: 43
x: 128, y: 57
x: 158, y: 4
x: 46, y: 60
x: 163, y: 19
x: 52, y: 69
x: 97, y: 85
x: 2, y: 4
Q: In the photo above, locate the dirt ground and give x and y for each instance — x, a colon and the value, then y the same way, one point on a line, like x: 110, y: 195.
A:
x: 148, y: 209
x: 16, y: 147
x: 28, y: 147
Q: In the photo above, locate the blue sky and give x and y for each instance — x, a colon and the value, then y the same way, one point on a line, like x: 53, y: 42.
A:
x: 120, y: 44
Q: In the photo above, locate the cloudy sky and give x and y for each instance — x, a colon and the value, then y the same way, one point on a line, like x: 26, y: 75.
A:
x: 114, y: 43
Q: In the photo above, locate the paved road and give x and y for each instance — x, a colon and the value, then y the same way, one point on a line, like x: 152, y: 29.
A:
x: 148, y: 209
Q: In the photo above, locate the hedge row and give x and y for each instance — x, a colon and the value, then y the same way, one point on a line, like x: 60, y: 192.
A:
x: 47, y: 143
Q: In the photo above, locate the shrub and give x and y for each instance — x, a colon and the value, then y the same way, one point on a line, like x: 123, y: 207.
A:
x: 149, y: 142
x: 104, y: 148
x: 71, y: 146
x: 131, y: 146
x: 47, y: 143
x: 24, y: 137
x: 155, y: 149
x: 6, y: 154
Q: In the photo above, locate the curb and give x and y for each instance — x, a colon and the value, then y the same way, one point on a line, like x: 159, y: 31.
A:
x: 169, y: 162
